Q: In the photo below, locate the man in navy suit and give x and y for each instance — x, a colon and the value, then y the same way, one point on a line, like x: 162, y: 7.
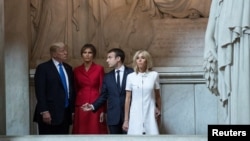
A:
x: 111, y: 93
x: 55, y: 101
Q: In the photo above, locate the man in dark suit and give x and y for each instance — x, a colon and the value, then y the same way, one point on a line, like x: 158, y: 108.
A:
x: 113, y: 93
x: 55, y: 100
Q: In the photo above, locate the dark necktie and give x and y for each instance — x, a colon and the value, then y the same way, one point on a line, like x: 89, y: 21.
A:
x: 118, y: 79
x: 63, y: 79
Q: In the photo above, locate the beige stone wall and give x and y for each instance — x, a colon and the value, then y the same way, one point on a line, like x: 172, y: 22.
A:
x: 168, y: 33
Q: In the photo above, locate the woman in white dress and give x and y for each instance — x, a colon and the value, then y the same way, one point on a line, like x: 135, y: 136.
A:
x: 143, y: 100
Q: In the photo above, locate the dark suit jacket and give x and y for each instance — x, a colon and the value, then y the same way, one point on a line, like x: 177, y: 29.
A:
x: 50, y: 93
x: 115, y: 99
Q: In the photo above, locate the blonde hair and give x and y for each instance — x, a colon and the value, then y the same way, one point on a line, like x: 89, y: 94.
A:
x: 149, y: 62
x: 55, y: 46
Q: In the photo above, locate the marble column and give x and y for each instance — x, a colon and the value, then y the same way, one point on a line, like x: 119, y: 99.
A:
x: 16, y: 71
x: 2, y: 82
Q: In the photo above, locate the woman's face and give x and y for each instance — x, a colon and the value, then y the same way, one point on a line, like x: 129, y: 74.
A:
x: 87, y: 55
x: 141, y: 62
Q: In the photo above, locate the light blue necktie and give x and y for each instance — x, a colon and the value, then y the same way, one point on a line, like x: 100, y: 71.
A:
x: 63, y: 79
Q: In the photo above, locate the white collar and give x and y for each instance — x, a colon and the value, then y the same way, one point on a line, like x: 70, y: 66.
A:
x: 122, y: 68
x: 55, y: 62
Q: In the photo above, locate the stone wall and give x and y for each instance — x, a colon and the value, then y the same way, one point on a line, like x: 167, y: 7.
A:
x: 175, y: 37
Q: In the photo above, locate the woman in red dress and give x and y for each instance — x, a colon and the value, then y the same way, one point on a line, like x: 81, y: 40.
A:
x: 88, y: 82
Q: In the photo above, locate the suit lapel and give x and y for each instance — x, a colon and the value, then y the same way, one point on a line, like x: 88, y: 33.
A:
x: 55, y: 71
x: 124, y: 78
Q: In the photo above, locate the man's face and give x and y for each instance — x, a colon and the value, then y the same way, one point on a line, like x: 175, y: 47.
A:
x: 112, y: 60
x: 61, y: 54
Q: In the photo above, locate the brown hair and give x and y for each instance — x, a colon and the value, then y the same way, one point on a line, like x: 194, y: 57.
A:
x: 91, y: 47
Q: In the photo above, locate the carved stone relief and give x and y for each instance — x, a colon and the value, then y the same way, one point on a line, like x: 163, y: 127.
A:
x: 128, y: 24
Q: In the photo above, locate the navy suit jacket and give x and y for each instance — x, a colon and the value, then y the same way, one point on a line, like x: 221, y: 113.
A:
x: 50, y: 93
x: 115, y: 99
